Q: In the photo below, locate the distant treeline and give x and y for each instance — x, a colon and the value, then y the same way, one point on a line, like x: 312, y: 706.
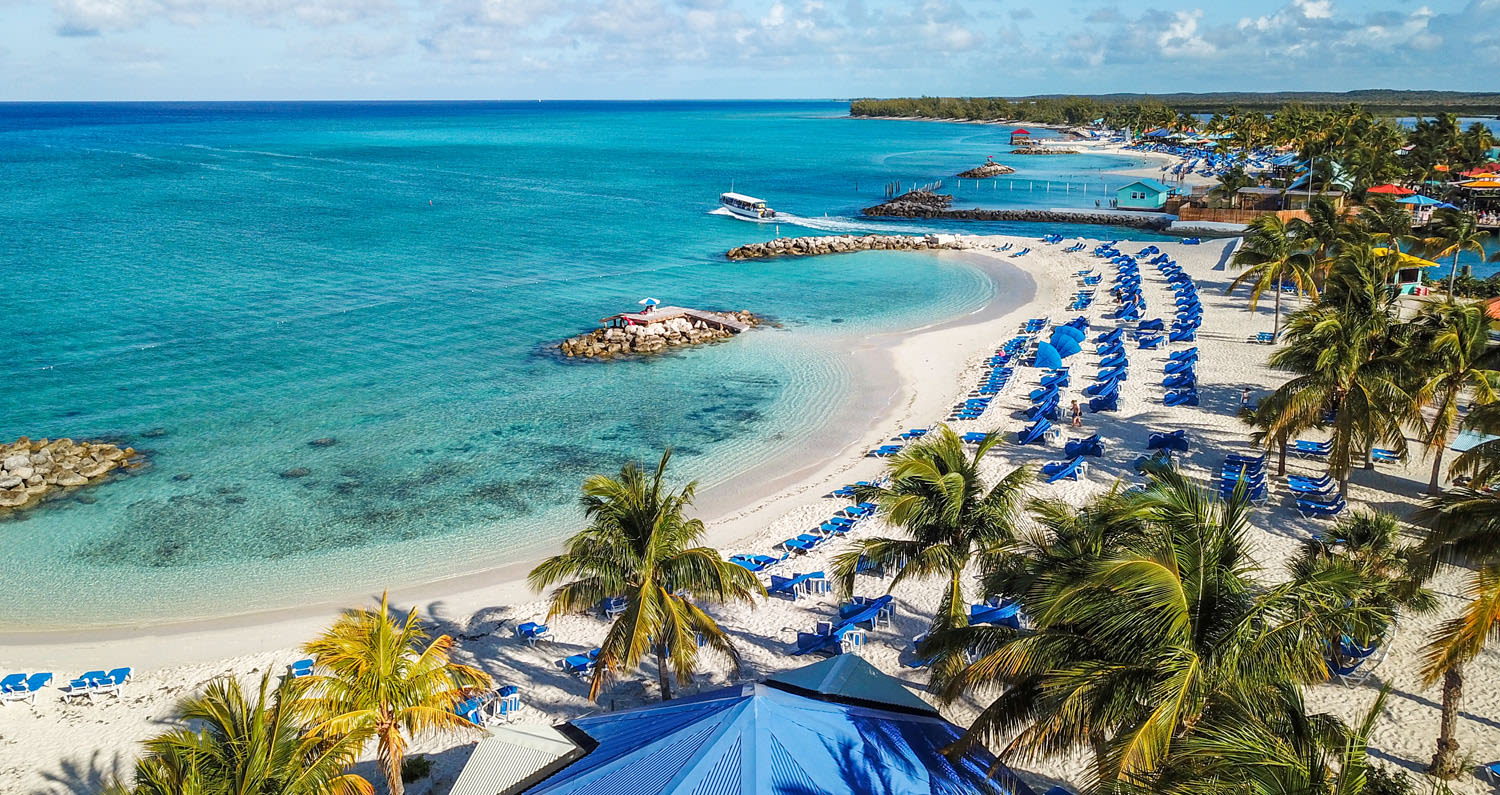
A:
x: 1120, y: 109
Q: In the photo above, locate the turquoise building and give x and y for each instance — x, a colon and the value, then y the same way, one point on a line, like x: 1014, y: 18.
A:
x: 1143, y: 194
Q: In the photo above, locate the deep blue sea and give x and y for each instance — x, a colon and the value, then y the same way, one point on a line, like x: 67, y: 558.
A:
x: 222, y: 284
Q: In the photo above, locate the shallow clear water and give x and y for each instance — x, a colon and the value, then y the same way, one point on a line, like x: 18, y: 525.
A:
x: 221, y: 285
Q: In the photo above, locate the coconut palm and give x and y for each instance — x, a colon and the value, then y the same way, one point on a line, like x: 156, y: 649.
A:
x: 639, y: 544
x: 376, y: 676
x: 1271, y: 255
x: 1347, y: 352
x: 1465, y: 529
x: 226, y: 744
x: 938, y: 497
x: 1273, y: 747
x: 1388, y: 221
x: 1134, y: 645
x: 1324, y: 232
x: 1451, y: 233
x: 1455, y: 362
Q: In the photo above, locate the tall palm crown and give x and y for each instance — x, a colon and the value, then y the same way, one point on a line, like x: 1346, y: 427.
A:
x: 1324, y: 232
x: 1451, y: 233
x: 1272, y: 256
x: 227, y: 744
x: 640, y: 545
x: 1457, y: 363
x: 375, y: 676
x: 1346, y: 352
x: 1131, y: 646
x: 937, y: 495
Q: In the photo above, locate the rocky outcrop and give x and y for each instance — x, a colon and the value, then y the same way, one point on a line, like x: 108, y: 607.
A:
x: 607, y: 343
x: 989, y: 169
x: 1042, y: 150
x: 925, y: 204
x: 843, y: 244
x: 29, y: 470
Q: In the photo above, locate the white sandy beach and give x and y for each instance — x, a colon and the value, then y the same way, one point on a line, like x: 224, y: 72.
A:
x: 57, y: 747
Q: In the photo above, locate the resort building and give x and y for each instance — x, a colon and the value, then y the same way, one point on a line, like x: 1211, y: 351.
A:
x: 1021, y: 137
x: 1143, y: 194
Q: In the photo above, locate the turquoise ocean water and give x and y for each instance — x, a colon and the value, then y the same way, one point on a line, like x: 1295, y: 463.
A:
x: 220, y: 285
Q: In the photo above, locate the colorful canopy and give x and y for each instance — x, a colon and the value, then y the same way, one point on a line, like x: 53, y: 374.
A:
x: 1480, y: 183
x: 836, y: 726
x: 1406, y: 259
x: 1393, y: 190
x: 1420, y: 201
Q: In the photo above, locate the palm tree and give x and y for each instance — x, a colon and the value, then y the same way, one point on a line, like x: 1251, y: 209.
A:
x: 639, y: 545
x: 226, y: 744
x: 373, y: 677
x: 1347, y: 352
x: 1388, y: 221
x: 1323, y: 232
x: 1272, y: 257
x: 1132, y: 646
x: 1456, y: 361
x: 1453, y: 232
x: 937, y: 496
x: 1465, y: 530
x: 1386, y: 577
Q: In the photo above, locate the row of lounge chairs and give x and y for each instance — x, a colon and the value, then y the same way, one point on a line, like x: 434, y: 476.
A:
x: 92, y: 684
x: 496, y: 706
x: 1052, y: 238
x: 847, y: 633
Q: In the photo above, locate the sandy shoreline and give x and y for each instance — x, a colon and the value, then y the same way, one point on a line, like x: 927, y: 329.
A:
x: 54, y: 746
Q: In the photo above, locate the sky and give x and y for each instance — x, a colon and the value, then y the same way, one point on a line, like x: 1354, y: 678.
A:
x: 658, y: 49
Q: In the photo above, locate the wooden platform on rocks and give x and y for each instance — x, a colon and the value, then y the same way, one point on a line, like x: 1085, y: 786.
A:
x: 664, y: 313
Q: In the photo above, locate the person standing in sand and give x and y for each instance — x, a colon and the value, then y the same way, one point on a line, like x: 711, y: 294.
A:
x: 1076, y: 412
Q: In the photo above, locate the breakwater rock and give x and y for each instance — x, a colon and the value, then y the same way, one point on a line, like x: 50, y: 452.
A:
x: 651, y: 337
x: 843, y: 244
x: 925, y: 204
x: 1042, y: 150
x: 30, y: 469
x: 986, y: 171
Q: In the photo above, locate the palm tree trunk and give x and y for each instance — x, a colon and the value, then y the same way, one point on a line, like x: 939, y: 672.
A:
x: 661, y: 672
x: 391, y: 762
x: 1435, y: 485
x: 1453, y: 275
x: 1276, y: 324
x: 1344, y: 484
x: 1370, y: 457
x: 1446, y: 762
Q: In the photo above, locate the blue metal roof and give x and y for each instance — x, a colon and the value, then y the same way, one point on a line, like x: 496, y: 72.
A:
x: 779, y: 738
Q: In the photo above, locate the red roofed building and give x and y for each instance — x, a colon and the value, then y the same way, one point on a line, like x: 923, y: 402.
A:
x: 1020, y: 137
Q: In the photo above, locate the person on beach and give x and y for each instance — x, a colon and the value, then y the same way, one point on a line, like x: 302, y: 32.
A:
x: 1245, y: 398
x: 1076, y: 412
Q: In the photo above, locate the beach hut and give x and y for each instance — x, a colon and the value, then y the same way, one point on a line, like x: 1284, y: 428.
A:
x: 1020, y: 137
x: 834, y: 726
x: 1143, y: 194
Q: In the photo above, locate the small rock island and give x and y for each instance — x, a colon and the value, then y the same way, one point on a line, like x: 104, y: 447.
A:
x: 30, y: 469
x: 656, y: 329
x: 986, y: 171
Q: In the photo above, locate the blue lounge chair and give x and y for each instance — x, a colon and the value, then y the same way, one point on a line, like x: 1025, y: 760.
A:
x: 579, y: 665
x: 1149, y: 343
x: 1110, y: 402
x: 1185, y: 335
x: 756, y: 562
x: 885, y: 451
x: 1183, y: 366
x: 1168, y: 440
x: 613, y: 607
x: 1386, y: 456
x: 914, y: 433
x: 1185, y: 397
x: 300, y: 668
x: 1059, y: 470
x: 1185, y: 380
x: 1042, y: 394
x: 530, y: 632
x: 1035, y: 434
x: 799, y: 545
x: 1321, y: 510
x: 1491, y: 772
x: 1161, y: 459
x: 829, y: 638
x: 1310, y: 486
x: 1265, y: 338
x: 1102, y: 389
x: 1154, y: 324
x: 21, y: 687
x: 1004, y: 614
x: 1091, y: 445
x: 793, y: 586
x: 1183, y: 354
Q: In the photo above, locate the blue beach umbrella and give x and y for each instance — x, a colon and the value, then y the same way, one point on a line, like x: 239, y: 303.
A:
x: 1419, y: 200
x: 1047, y: 356
x: 1071, y: 332
x: 648, y: 302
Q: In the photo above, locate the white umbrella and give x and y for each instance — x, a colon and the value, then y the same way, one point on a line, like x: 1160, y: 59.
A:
x: 648, y: 301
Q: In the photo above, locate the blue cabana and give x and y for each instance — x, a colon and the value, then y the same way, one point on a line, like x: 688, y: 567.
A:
x: 836, y: 726
x: 1066, y: 346
x: 1047, y: 356
x: 1071, y: 332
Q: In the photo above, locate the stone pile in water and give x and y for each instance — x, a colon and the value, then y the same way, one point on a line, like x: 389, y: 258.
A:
x: 990, y: 169
x: 843, y: 244
x: 607, y: 343
x: 30, y: 469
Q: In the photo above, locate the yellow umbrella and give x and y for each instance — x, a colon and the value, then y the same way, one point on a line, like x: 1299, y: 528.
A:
x: 1481, y: 183
x: 1407, y: 259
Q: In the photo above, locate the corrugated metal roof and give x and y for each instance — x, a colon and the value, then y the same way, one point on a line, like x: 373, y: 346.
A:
x: 509, y: 756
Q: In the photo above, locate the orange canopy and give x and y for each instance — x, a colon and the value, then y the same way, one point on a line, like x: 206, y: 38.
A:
x: 1394, y: 190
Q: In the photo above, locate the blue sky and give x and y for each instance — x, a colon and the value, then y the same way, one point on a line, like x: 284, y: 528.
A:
x: 647, y: 49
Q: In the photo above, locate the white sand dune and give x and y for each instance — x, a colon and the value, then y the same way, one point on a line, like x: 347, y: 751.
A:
x: 58, y: 747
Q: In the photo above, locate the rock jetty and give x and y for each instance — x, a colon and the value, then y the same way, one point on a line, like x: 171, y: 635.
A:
x: 1042, y: 150
x: 843, y: 244
x: 926, y: 204
x: 989, y: 169
x: 651, y: 337
x: 29, y: 470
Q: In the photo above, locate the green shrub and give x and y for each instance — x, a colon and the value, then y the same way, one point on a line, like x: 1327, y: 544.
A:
x: 417, y: 767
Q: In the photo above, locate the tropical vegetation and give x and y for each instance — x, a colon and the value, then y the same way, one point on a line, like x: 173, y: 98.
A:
x: 640, y: 546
